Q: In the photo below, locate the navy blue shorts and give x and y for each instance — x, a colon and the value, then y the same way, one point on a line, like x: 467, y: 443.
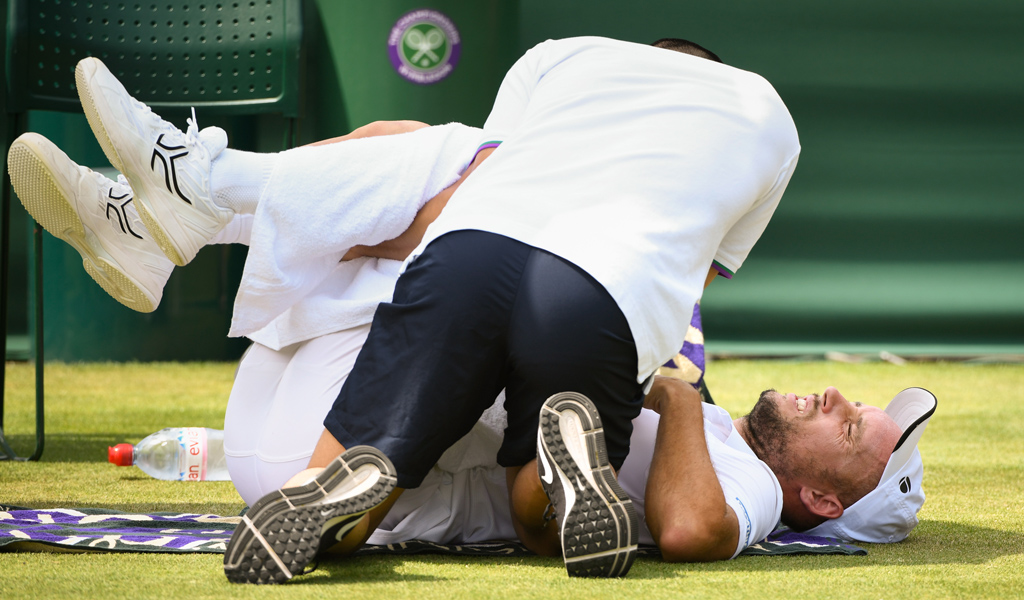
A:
x: 475, y: 313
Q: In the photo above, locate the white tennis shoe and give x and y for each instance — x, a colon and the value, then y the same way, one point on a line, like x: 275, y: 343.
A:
x: 284, y: 530
x: 95, y: 215
x: 169, y: 170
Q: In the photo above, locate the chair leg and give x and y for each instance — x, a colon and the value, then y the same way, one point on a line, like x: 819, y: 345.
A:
x: 5, y: 245
x: 40, y: 362
x: 6, y: 452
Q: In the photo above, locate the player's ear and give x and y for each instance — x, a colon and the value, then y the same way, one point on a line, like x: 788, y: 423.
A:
x: 821, y: 503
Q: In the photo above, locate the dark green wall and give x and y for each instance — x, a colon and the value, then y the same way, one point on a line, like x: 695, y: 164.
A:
x: 349, y: 81
x: 903, y: 227
x: 901, y: 230
x: 352, y: 80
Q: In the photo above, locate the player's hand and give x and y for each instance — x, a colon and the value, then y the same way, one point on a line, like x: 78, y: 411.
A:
x: 668, y: 390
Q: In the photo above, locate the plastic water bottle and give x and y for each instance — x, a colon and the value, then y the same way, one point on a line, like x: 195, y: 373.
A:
x: 176, y: 454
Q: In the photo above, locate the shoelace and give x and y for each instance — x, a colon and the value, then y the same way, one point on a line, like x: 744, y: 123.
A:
x: 192, y: 132
x: 119, y: 185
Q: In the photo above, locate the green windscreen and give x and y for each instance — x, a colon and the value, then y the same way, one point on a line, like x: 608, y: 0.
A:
x: 903, y: 227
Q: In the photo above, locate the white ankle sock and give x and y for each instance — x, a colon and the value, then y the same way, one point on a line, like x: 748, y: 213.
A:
x: 237, y: 179
x: 237, y: 231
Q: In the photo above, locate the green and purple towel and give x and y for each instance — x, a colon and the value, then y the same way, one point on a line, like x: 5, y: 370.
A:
x: 689, y: 364
x: 102, y: 530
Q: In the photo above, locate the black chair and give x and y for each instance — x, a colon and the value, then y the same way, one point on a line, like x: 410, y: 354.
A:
x: 222, y: 57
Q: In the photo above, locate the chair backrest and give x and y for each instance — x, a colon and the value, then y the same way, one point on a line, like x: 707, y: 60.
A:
x: 229, y: 56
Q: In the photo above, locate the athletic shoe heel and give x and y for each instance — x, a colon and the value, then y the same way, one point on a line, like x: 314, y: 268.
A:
x: 285, y: 529
x: 598, y: 525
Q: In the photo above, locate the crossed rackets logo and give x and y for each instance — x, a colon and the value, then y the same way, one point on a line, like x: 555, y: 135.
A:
x: 424, y: 46
x: 420, y: 43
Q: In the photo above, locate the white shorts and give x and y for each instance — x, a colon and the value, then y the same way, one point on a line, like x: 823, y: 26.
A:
x: 277, y: 406
x: 275, y: 417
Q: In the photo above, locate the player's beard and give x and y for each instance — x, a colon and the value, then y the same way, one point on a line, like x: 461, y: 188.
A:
x: 769, y: 433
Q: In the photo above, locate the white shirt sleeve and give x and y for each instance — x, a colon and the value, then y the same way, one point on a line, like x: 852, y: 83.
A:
x: 742, y: 236
x: 750, y: 488
x: 513, y: 95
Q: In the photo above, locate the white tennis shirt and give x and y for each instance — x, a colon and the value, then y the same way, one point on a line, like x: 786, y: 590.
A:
x: 465, y: 499
x: 750, y: 487
x: 638, y: 164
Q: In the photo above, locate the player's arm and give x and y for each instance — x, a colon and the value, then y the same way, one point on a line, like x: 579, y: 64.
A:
x: 400, y: 247
x: 712, y: 272
x: 374, y: 129
x: 685, y: 505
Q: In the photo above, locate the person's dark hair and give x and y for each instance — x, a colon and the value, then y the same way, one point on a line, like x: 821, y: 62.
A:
x: 686, y: 47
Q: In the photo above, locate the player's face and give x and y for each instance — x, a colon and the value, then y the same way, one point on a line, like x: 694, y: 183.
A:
x: 827, y: 431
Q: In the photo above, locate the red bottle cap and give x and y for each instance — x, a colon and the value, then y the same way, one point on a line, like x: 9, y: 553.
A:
x: 121, y: 454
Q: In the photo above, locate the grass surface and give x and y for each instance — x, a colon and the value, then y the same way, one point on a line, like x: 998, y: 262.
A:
x: 970, y: 543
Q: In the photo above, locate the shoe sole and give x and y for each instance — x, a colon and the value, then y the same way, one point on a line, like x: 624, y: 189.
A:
x: 598, y: 524
x: 281, y: 533
x: 46, y: 199
x: 84, y: 72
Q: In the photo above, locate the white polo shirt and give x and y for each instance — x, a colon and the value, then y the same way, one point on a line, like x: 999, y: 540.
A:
x: 465, y: 499
x: 750, y: 487
x: 638, y: 164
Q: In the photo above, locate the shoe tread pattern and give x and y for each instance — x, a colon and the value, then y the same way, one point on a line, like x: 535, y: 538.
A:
x: 600, y: 531
x: 291, y: 520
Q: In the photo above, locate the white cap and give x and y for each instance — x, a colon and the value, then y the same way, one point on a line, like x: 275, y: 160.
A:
x: 889, y: 512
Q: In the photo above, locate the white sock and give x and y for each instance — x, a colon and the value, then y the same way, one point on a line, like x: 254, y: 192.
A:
x: 237, y: 179
x: 237, y: 231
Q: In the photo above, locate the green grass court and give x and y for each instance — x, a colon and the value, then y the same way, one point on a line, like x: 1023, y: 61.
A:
x: 970, y: 543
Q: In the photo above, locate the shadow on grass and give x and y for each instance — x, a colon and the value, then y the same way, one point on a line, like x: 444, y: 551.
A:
x: 222, y: 509
x: 362, y: 569
x: 384, y: 567
x: 933, y: 543
x: 73, y: 447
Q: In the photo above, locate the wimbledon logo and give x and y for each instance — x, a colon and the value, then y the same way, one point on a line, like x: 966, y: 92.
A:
x: 424, y: 46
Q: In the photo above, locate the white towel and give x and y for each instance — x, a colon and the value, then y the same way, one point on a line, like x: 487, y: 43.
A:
x: 346, y: 298
x: 321, y: 201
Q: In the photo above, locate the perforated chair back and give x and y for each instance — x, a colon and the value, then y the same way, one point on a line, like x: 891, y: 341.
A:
x: 229, y: 56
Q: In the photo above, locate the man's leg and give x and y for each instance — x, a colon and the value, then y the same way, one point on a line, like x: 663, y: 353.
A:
x: 282, y: 532
x: 97, y: 216
x: 277, y: 408
x: 532, y: 516
x: 568, y: 335
x: 474, y: 311
x: 432, y: 364
x: 188, y: 187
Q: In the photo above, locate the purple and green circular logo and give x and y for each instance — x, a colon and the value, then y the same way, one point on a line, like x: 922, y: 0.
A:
x: 424, y: 46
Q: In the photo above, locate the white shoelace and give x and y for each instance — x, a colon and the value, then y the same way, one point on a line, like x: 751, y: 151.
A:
x: 189, y: 137
x: 192, y: 132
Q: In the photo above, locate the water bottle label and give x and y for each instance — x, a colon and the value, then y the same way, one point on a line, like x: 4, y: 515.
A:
x: 193, y: 444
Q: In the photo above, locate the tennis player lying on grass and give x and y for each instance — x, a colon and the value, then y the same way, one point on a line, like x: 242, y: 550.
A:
x: 695, y: 476
x: 697, y: 520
